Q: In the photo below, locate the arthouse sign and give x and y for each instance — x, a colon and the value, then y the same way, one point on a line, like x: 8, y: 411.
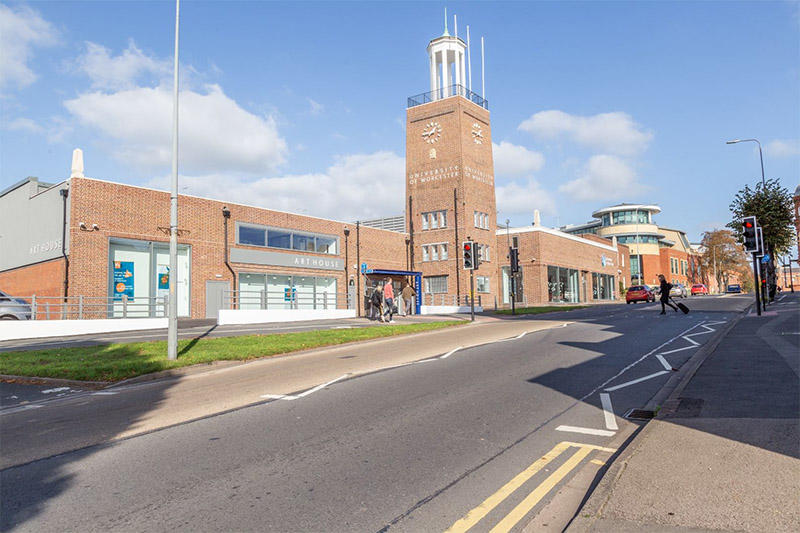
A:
x: 263, y: 257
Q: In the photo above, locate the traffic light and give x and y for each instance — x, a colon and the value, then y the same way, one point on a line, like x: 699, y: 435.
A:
x: 750, y: 234
x: 513, y: 254
x: 760, y: 242
x: 478, y: 255
x: 468, y: 253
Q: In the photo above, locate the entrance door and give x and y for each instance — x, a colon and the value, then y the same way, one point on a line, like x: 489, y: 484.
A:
x: 215, y: 297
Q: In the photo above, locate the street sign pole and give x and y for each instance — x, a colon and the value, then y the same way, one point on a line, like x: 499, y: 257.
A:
x: 471, y: 295
x: 758, y: 283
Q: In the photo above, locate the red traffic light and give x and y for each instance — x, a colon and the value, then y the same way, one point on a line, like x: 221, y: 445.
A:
x: 467, y: 247
x: 748, y: 224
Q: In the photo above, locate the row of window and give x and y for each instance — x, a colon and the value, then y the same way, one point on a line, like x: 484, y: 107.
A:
x: 643, y: 239
x: 438, y: 284
x: 481, y: 220
x: 678, y: 266
x: 276, y: 291
x: 434, y: 252
x: 253, y: 235
x: 626, y: 217
x: 434, y: 220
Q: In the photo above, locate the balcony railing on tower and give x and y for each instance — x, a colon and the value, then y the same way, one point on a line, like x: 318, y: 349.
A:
x: 447, y: 92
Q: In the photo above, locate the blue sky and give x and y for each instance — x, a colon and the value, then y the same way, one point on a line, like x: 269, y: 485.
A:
x: 301, y: 106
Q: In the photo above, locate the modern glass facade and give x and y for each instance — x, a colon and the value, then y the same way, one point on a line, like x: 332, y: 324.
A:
x: 602, y: 286
x: 255, y: 235
x: 279, y: 291
x: 562, y: 284
x: 635, y: 216
x: 642, y: 239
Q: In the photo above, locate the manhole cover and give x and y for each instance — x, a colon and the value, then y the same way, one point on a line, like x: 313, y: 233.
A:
x: 640, y: 414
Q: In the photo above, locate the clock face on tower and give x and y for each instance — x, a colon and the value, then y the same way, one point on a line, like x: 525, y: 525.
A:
x: 432, y: 132
x: 477, y: 133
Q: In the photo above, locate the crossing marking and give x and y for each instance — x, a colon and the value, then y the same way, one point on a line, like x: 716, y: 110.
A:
x: 635, y: 381
x: 608, y: 411
x: 478, y: 513
x: 663, y: 362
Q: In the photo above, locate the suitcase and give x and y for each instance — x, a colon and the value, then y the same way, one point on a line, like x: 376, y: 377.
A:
x: 681, y: 307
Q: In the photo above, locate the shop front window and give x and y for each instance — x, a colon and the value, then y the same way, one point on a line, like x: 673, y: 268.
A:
x: 562, y: 284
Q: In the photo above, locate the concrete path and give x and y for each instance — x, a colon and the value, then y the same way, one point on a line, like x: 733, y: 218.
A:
x: 724, y: 452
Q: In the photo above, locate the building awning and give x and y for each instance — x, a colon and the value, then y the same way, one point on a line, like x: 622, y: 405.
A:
x: 392, y: 272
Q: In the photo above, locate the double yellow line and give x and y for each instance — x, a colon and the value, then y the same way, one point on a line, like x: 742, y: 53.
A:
x: 525, y: 506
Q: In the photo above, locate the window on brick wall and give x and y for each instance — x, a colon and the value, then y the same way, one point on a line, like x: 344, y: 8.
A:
x: 480, y: 219
x: 426, y: 254
x: 435, y: 252
x: 434, y: 220
x: 482, y: 283
x: 443, y: 254
x: 435, y: 284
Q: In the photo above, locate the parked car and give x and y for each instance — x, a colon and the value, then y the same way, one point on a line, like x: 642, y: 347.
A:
x: 13, y: 308
x: 639, y: 293
x: 678, y: 290
x: 734, y: 287
x: 699, y: 288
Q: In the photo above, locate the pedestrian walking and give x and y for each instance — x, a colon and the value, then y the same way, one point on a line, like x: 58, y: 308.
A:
x: 388, y: 299
x: 665, y: 288
x: 376, y: 299
x: 409, y: 295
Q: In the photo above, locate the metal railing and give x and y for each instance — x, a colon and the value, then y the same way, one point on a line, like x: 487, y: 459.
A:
x: 447, y: 92
x: 448, y: 299
x: 86, y: 307
x: 285, y: 300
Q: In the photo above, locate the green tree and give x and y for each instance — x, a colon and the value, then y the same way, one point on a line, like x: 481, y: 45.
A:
x: 723, y: 256
x: 772, y: 206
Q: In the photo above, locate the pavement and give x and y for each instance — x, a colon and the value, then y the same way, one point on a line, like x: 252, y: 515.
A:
x: 723, y: 454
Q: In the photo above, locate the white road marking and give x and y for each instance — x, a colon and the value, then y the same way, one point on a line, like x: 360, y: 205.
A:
x: 664, y: 362
x: 451, y: 352
x: 10, y: 410
x: 687, y: 338
x: 58, y: 389
x: 586, y: 431
x: 680, y: 349
x: 608, y: 411
x: 635, y: 381
x: 303, y: 394
x: 103, y: 393
x: 521, y: 335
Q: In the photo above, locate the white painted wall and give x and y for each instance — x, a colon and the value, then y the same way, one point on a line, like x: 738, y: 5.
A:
x: 260, y: 316
x: 447, y: 309
x: 34, y: 329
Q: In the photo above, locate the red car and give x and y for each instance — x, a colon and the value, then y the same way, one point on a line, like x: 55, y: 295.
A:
x: 699, y: 289
x: 639, y: 293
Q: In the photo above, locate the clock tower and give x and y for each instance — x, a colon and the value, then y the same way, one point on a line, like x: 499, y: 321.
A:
x: 450, y: 193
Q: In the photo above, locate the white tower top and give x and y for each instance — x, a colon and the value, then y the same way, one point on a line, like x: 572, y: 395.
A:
x: 447, y: 65
x: 77, y: 163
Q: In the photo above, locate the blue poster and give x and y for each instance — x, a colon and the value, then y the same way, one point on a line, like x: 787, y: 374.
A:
x: 123, y: 279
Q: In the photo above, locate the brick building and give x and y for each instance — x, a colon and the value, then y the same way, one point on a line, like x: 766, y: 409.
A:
x: 108, y: 241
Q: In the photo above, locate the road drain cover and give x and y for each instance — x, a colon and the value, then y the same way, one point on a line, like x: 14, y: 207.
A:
x: 640, y: 414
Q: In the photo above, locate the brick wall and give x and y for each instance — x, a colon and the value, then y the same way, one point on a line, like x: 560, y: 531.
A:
x: 123, y: 211
x: 40, y: 279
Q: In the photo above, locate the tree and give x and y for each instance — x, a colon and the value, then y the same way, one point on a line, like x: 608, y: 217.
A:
x: 723, y: 256
x: 772, y: 206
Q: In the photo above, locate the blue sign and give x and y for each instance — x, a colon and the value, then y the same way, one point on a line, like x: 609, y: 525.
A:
x: 765, y: 259
x: 123, y: 279
x: 289, y: 294
x: 363, y: 268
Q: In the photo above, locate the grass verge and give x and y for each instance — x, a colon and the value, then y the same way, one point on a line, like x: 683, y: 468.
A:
x: 542, y: 309
x: 115, y: 362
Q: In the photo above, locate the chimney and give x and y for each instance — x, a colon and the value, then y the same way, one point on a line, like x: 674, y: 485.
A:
x: 537, y: 219
x: 77, y: 163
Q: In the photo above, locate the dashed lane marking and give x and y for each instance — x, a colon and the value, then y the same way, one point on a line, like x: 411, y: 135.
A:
x: 586, y: 431
x: 303, y: 394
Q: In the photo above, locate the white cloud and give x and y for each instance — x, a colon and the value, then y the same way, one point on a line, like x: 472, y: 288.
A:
x: 216, y: 134
x: 523, y: 197
x: 122, y: 71
x: 315, y: 107
x: 614, y: 133
x: 357, y: 186
x: 514, y: 160
x: 21, y: 30
x: 783, y: 147
x: 603, y: 177
x: 24, y: 124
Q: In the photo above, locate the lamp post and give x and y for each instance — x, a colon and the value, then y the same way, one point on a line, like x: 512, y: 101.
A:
x: 346, y: 266
x: 172, y: 321
x: 760, y: 155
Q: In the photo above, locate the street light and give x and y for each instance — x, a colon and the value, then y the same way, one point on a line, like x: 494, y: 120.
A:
x: 760, y: 156
x: 172, y: 321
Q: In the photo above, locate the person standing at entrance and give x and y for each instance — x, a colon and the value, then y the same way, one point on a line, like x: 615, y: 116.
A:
x: 388, y: 299
x: 409, y: 294
x: 665, y: 289
x: 375, y: 300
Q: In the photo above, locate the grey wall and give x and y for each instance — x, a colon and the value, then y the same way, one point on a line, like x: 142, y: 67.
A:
x: 31, y: 222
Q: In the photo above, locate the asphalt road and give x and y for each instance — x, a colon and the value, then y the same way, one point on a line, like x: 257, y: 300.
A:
x: 477, y: 438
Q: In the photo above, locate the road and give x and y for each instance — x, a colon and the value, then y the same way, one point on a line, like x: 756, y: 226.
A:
x: 476, y: 438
